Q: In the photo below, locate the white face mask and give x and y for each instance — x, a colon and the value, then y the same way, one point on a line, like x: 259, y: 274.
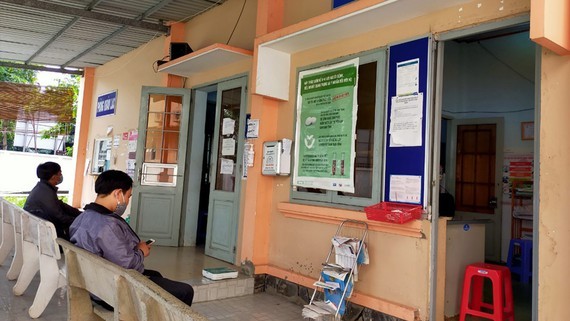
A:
x: 60, y: 180
x: 121, y: 207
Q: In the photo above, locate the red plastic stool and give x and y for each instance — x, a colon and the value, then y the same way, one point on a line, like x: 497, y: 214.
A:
x: 472, y: 301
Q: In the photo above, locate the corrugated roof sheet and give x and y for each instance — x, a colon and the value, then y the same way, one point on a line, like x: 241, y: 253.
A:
x: 80, y: 45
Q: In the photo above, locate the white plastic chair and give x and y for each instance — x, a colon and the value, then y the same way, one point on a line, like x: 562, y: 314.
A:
x: 7, y: 243
x: 39, y: 252
x: 17, y: 261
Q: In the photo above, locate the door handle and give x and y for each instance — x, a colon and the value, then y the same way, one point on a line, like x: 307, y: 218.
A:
x: 493, y: 202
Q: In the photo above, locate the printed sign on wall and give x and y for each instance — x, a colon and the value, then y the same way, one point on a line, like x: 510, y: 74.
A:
x: 326, y: 125
x: 106, y: 104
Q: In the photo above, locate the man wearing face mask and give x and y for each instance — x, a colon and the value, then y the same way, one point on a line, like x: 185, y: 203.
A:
x: 101, y: 230
x: 43, y: 201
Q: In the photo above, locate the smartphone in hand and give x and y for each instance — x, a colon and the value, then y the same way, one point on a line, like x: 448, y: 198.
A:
x: 150, y: 241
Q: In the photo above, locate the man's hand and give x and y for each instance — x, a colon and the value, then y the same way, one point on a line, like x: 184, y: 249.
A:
x: 145, y: 248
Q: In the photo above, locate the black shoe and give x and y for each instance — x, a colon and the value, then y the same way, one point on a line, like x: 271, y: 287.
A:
x: 103, y: 304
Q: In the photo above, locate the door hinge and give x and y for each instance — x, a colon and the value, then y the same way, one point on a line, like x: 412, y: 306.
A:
x: 234, y: 250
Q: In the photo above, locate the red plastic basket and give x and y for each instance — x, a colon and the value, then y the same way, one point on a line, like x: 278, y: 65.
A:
x: 393, y: 212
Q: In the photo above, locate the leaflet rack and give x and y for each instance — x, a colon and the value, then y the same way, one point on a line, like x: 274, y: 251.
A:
x: 339, y: 272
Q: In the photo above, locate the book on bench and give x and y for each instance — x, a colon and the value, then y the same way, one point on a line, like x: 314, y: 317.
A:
x: 219, y: 273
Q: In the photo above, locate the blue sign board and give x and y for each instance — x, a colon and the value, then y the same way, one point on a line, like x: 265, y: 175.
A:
x: 106, y: 104
x: 338, y: 3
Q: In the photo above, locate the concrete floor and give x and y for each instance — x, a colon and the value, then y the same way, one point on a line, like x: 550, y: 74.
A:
x: 186, y: 264
x: 183, y: 264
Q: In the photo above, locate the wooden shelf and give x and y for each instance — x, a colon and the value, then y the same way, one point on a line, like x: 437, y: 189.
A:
x: 205, y: 59
x: 275, y: 49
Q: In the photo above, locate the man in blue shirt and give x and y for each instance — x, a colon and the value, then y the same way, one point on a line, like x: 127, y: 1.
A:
x: 101, y: 230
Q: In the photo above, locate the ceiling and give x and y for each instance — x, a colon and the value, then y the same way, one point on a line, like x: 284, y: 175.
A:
x: 74, y: 34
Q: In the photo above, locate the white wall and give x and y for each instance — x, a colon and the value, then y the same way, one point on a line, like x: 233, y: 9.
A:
x: 18, y: 171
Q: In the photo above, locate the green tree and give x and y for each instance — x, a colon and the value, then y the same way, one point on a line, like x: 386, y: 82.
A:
x: 8, y: 126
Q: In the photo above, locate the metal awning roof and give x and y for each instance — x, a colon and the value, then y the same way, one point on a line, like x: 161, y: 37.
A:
x: 85, y: 33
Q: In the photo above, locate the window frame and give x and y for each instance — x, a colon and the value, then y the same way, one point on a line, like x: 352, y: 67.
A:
x: 332, y: 198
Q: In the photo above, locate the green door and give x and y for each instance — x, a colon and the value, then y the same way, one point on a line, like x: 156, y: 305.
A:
x: 226, y: 170
x: 160, y: 159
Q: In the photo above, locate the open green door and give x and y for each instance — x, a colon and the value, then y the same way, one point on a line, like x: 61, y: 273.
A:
x: 226, y: 170
x: 160, y: 160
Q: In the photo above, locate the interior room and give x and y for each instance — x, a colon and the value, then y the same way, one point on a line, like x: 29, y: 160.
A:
x: 487, y: 148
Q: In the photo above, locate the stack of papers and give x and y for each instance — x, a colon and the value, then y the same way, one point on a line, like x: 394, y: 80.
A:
x: 319, y: 311
x: 335, y: 270
x: 219, y: 273
x: 346, y: 249
x: 327, y: 285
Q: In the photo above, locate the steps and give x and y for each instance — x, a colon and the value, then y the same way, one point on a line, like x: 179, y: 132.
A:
x: 209, y: 290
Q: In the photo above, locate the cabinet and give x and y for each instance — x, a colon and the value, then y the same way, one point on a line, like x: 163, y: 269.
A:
x: 521, y: 209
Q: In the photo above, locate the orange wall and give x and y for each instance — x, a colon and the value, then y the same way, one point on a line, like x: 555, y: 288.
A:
x: 399, y: 269
x: 299, y: 10
x: 216, y: 25
x: 550, y: 26
x: 554, y: 221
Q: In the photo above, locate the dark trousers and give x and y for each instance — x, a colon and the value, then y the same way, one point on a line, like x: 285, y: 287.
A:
x: 183, y: 291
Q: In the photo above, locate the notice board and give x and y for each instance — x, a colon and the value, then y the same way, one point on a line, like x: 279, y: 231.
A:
x: 405, y: 155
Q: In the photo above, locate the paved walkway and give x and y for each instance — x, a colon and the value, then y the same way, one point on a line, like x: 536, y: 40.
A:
x: 257, y: 307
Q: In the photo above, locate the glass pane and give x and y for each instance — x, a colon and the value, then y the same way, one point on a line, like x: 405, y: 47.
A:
x: 156, y: 103
x: 229, y: 127
x: 153, y: 143
x: 363, y: 163
x: 155, y: 121
x: 162, y: 132
x: 173, y: 112
x: 311, y: 190
x: 160, y: 175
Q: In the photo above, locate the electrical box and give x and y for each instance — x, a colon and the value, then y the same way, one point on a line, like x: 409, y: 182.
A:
x: 101, y: 155
x: 276, y: 157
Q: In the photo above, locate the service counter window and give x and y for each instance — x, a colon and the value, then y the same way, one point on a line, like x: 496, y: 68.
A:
x: 368, y: 135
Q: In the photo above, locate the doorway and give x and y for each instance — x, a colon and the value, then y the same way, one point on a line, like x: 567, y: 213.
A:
x: 487, y: 93
x: 215, y: 168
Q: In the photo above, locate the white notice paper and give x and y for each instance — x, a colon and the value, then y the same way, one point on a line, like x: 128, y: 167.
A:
x: 228, y: 146
x: 407, y: 77
x: 406, y: 121
x: 227, y: 166
x: 252, y: 128
x: 405, y: 188
x: 228, y: 126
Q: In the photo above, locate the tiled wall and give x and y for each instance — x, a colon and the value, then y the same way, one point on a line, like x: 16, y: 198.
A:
x: 208, y: 290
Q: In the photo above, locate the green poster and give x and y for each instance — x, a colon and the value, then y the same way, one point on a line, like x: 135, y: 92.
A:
x: 326, y: 122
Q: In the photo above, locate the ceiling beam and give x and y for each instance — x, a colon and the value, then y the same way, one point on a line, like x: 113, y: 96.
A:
x: 52, y: 7
x: 40, y: 68
x: 88, y: 50
x: 54, y: 38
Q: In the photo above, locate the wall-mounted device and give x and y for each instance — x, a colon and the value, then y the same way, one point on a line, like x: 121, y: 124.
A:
x: 101, y: 155
x: 179, y: 49
x: 276, y: 157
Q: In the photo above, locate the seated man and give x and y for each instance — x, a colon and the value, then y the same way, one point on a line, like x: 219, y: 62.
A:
x: 43, y: 201
x: 102, y: 231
